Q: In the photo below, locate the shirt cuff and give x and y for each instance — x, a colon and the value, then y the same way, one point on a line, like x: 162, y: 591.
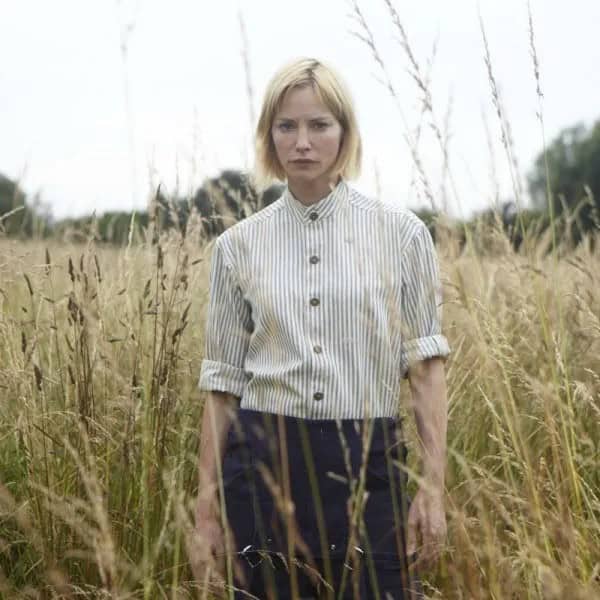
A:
x: 221, y: 377
x: 421, y: 349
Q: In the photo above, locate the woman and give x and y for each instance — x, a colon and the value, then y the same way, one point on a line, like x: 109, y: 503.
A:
x: 319, y: 305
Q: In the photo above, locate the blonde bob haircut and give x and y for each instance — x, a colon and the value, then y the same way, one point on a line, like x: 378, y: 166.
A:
x: 332, y: 93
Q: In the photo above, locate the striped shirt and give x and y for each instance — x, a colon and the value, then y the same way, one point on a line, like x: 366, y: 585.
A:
x: 318, y: 311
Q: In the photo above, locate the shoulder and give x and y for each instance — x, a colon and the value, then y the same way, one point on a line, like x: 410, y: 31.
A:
x: 404, y: 222
x: 263, y: 216
x: 237, y: 236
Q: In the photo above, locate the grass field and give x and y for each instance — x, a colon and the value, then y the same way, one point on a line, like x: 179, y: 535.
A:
x: 99, y: 356
x: 100, y: 350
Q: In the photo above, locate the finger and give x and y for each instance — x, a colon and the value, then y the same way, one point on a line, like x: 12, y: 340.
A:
x: 435, y: 539
x: 216, y: 549
x: 430, y: 552
x: 221, y: 567
x: 423, y: 556
x: 238, y: 569
x: 412, y: 532
x: 415, y: 562
x: 429, y: 549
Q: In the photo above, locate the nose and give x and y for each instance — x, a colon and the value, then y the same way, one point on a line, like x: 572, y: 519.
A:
x: 302, y: 141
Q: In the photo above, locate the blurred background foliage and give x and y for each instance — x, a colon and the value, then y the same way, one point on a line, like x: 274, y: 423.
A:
x: 568, y: 173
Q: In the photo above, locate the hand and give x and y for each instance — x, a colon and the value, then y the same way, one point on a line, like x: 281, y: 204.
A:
x: 427, y: 523
x: 207, y: 549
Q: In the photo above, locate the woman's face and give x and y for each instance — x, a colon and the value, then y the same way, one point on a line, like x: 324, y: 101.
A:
x: 306, y: 136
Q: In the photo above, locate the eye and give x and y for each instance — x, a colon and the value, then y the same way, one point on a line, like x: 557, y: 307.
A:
x: 320, y: 125
x: 285, y: 126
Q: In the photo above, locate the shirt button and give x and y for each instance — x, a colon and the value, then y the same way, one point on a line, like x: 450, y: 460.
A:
x: 313, y: 216
x: 314, y: 302
x: 318, y: 349
x: 314, y: 260
x: 318, y: 396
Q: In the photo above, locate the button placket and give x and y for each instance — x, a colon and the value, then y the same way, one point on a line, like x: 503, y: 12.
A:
x: 314, y: 265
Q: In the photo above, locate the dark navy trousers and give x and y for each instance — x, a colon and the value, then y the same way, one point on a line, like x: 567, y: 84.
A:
x: 317, y: 508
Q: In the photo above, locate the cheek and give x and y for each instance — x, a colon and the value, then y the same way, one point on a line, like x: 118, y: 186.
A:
x: 278, y: 144
x: 333, y: 142
x: 281, y: 142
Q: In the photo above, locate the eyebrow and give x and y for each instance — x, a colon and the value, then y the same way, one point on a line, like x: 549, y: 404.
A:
x: 319, y: 118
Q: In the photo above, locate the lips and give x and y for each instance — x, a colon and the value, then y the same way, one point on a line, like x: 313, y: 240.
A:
x: 303, y: 161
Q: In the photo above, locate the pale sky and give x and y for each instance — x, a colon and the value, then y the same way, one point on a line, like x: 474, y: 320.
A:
x: 90, y: 127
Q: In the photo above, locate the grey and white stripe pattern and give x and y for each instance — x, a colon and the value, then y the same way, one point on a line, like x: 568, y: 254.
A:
x: 317, y: 312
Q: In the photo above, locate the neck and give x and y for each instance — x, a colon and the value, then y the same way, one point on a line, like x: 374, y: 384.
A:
x: 310, y: 192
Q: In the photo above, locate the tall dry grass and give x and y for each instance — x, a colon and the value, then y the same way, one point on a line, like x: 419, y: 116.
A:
x: 99, y: 356
x: 100, y: 350
x: 99, y: 360
x: 524, y: 427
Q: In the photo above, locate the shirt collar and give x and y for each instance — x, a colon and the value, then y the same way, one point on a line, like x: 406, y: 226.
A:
x: 324, y: 207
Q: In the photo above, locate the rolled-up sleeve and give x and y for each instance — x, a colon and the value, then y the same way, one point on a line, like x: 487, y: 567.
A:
x: 228, y: 329
x: 421, y: 302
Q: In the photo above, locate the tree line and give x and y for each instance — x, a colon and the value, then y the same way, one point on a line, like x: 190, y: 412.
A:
x: 564, y: 186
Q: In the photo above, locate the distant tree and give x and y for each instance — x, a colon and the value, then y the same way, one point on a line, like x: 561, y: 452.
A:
x: 113, y: 227
x: 517, y: 225
x: 229, y: 198
x: 220, y: 202
x: 13, y: 210
x: 573, y: 160
x: 20, y: 215
x: 481, y: 230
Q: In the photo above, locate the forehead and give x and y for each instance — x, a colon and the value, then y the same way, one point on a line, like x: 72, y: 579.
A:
x: 302, y: 101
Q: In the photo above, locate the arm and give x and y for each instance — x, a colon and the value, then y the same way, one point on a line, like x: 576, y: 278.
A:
x: 427, y: 517
x: 228, y: 328
x: 428, y: 390
x: 424, y: 349
x: 208, y: 544
x: 217, y: 417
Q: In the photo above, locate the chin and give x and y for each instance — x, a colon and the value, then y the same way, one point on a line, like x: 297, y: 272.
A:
x: 306, y: 174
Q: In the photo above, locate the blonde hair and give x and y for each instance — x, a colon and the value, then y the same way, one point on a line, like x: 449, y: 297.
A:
x: 333, y: 94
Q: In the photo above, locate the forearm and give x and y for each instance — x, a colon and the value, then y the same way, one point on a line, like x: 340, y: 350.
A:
x: 428, y: 390
x: 217, y: 417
